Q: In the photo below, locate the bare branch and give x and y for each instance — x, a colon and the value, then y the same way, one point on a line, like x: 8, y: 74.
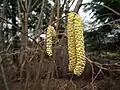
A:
x: 40, y: 16
x: 109, y: 23
x: 58, y: 13
x: 109, y: 8
x: 19, y: 29
x: 52, y: 13
x: 78, y: 5
x: 4, y: 77
x: 29, y: 5
x: 72, y: 3
x: 26, y: 3
x: 8, y: 22
x: 22, y: 6
x: 34, y: 4
x: 64, y: 4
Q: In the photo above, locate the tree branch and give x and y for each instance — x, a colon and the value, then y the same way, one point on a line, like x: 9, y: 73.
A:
x: 40, y: 16
x: 117, y: 13
x: 3, y: 74
x: 29, y: 5
x: 52, y: 13
x: 78, y: 5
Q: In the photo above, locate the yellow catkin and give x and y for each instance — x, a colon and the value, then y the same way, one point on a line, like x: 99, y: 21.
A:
x: 77, y: 58
x: 71, y: 42
x: 50, y: 34
x: 80, y: 52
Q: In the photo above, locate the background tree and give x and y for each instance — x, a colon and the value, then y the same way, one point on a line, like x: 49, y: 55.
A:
x: 108, y: 20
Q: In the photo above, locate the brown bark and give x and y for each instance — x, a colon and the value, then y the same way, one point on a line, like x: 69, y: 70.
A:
x: 24, y: 42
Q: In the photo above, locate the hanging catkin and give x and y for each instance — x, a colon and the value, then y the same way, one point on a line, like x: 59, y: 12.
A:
x: 75, y: 43
x: 50, y: 34
x: 71, y: 42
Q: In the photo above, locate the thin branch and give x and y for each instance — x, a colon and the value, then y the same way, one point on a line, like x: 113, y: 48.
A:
x: 34, y: 4
x: 19, y: 11
x: 52, y: 13
x: 26, y: 4
x: 58, y: 13
x: 52, y: 23
x: 22, y: 6
x: 8, y: 22
x: 96, y: 76
x: 19, y: 29
x: 64, y: 4
x: 40, y: 16
x: 55, y: 21
x: 67, y: 5
x: 29, y: 5
x: 78, y: 5
x: 117, y: 13
x: 72, y: 3
x: 3, y: 74
x: 109, y: 8
x: 109, y: 23
x: 36, y: 7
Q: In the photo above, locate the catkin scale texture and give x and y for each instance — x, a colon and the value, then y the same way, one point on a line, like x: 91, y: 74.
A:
x: 50, y: 34
x: 80, y: 52
x: 76, y: 50
x: 71, y: 43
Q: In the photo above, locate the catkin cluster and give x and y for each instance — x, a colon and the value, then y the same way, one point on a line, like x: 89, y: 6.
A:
x: 50, y: 35
x: 75, y: 44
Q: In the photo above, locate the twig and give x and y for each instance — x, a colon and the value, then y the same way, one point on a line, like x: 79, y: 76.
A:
x: 36, y: 1
x: 109, y: 23
x: 8, y: 22
x: 58, y: 14
x: 92, y: 70
x: 29, y: 6
x: 72, y: 3
x: 20, y: 30
x: 52, y: 13
x: 64, y: 4
x: 117, y: 13
x: 96, y: 75
x: 3, y: 74
x: 40, y: 17
x: 78, y: 5
x: 22, y: 6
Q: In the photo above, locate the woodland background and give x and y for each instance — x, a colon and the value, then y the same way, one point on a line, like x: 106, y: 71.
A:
x: 24, y: 64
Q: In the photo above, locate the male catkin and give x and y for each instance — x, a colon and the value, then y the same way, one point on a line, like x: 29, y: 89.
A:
x: 71, y: 42
x: 75, y: 43
x: 50, y: 34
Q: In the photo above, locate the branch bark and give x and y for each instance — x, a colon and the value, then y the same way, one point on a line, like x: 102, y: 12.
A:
x: 40, y: 18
